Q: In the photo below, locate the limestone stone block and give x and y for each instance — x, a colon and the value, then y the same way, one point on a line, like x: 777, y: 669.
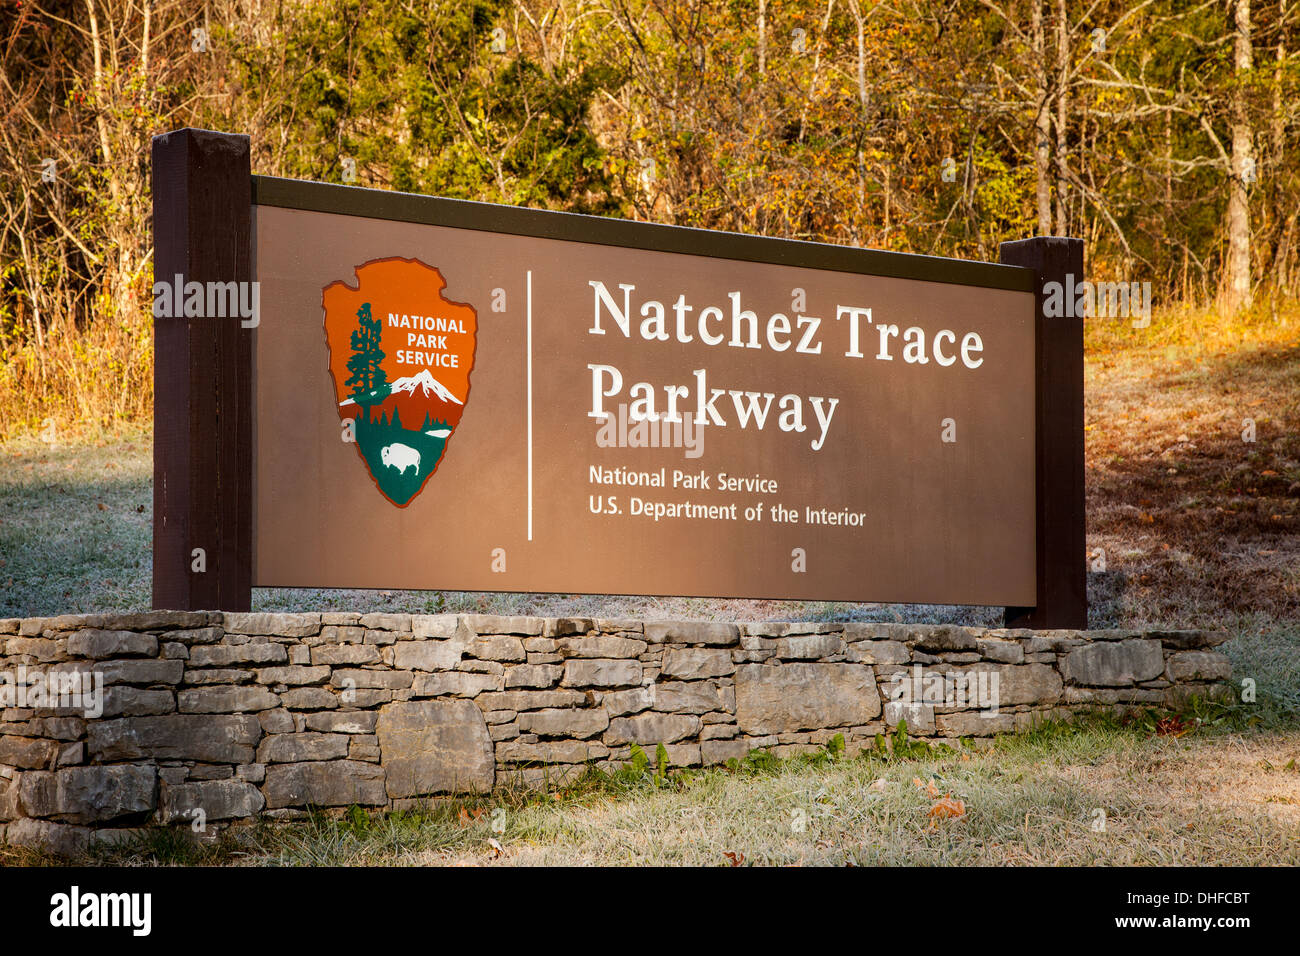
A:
x: 273, y: 625
x: 498, y: 647
x: 1199, y: 665
x: 688, y: 697
x: 1114, y: 663
x: 295, y: 748
x: 804, y: 696
x: 435, y: 746
x: 125, y: 701
x: 652, y: 728
x: 293, y: 675
x: 83, y: 795
x: 216, y: 799
x: 343, y: 722
x: 533, y: 675
x: 454, y: 683
x: 618, y: 703
x: 97, y: 644
x: 601, y: 645
x: 600, y: 673
x: 331, y: 783
x: 211, y: 739
x: 332, y: 655
x: 27, y: 753
x: 226, y: 699
x: 224, y: 655
x: 693, y: 632
x: 693, y: 663
x: 576, y: 722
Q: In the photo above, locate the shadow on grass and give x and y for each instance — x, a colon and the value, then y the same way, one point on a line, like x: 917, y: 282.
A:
x: 1196, y: 524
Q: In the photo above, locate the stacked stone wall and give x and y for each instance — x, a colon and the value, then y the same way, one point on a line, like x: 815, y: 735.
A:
x: 232, y: 716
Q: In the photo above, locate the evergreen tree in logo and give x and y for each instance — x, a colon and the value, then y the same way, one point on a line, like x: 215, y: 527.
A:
x: 368, y: 381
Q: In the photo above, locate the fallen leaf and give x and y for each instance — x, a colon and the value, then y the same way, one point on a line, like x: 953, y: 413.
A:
x: 928, y: 786
x: 735, y: 858
x: 947, y: 807
x: 1172, y: 727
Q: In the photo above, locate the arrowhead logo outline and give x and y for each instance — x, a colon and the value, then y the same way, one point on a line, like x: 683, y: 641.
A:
x: 400, y: 358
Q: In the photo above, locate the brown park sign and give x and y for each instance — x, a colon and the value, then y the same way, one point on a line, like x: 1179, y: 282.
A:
x: 453, y: 395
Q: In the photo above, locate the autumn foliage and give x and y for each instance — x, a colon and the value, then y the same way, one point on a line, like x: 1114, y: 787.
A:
x: 1161, y: 132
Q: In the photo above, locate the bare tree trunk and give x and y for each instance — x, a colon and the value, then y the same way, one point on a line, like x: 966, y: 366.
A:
x: 1237, y: 292
x: 1042, y: 123
x: 1282, y: 251
x: 816, y: 71
x: 1169, y: 162
x: 862, y: 121
x: 1062, y: 115
x: 888, y: 170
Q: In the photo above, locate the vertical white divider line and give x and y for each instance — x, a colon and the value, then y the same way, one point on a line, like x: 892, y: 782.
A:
x: 529, y: 304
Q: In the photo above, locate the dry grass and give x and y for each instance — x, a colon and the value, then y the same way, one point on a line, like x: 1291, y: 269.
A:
x: 84, y: 383
x: 1161, y: 804
x: 1161, y: 807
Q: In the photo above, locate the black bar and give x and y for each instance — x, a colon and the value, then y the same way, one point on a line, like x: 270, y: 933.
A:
x: 571, y: 227
x: 1060, y: 518
x: 1103, y: 903
x: 202, y: 377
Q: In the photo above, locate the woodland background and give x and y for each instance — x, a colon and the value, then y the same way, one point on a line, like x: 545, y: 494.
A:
x: 1163, y: 132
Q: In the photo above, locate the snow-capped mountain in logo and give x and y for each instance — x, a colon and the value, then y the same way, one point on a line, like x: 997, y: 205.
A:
x: 424, y: 382
x: 427, y: 384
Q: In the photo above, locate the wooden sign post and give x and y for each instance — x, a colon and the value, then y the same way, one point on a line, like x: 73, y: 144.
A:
x: 1058, y: 409
x: 203, y: 392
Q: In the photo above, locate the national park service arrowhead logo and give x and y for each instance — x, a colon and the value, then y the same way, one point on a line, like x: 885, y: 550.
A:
x: 400, y: 354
